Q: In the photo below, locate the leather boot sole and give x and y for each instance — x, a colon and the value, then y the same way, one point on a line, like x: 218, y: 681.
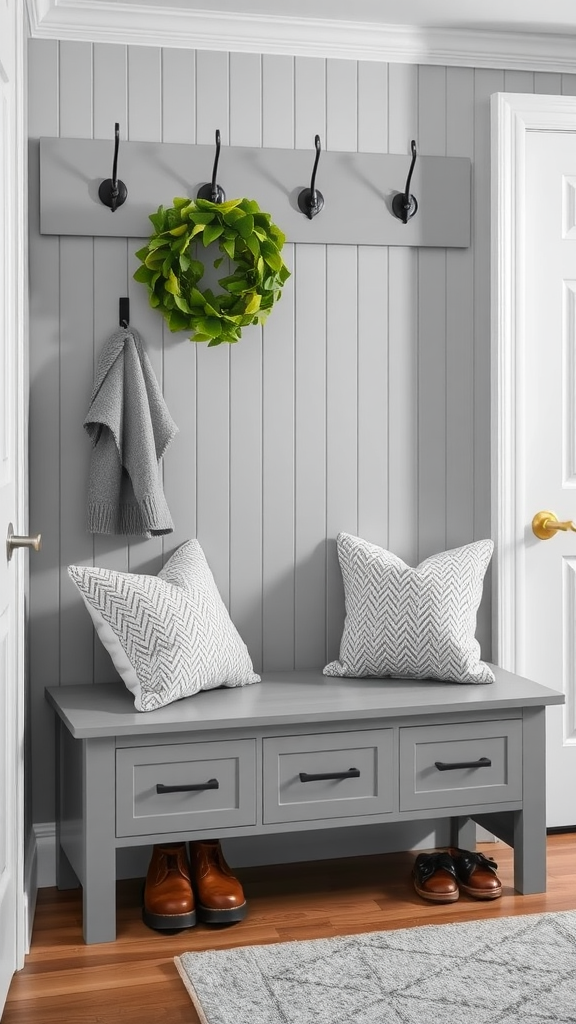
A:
x: 481, y: 894
x: 437, y: 897
x: 169, y: 922
x: 211, y: 916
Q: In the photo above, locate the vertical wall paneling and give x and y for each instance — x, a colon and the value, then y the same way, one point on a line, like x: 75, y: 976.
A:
x: 278, y: 526
x: 402, y: 108
x: 341, y: 357
x: 486, y: 82
x: 277, y: 101
x: 44, y: 427
x: 75, y: 95
x: 431, y: 337
x: 341, y: 424
x: 568, y: 85
x: 373, y: 425
x: 373, y: 405
x: 519, y: 81
x: 76, y: 347
x: 548, y: 82
x: 179, y: 364
x: 362, y: 405
x: 245, y: 99
x: 246, y: 400
x: 212, y: 98
x: 110, y: 104
x: 278, y: 498
x: 145, y: 555
x: 179, y: 462
x: 178, y: 96
x: 403, y: 337
x: 310, y: 103
x: 310, y: 100
x: 459, y: 332
x: 246, y: 490
x: 110, y: 97
x: 341, y: 105
x: 310, y: 456
x: 213, y: 364
x: 144, y: 93
x: 145, y: 124
x: 76, y: 333
x: 110, y: 282
x: 213, y: 461
x: 372, y: 107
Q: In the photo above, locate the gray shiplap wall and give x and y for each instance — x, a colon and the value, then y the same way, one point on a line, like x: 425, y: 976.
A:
x: 362, y: 405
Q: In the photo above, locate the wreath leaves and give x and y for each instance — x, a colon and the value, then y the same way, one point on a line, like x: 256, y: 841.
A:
x: 172, y: 271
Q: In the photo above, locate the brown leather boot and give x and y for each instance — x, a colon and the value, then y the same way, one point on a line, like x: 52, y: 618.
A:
x: 434, y: 876
x: 476, y: 874
x: 220, y: 897
x: 168, y: 895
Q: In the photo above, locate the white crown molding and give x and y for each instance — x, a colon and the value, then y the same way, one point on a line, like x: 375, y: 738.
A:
x: 143, y: 24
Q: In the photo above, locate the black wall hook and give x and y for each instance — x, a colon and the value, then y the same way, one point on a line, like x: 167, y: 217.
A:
x: 310, y: 201
x: 124, y: 312
x: 404, y: 205
x: 113, y: 192
x: 211, y: 190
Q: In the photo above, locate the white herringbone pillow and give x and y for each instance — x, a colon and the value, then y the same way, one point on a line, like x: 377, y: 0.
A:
x: 170, y: 635
x: 413, y: 623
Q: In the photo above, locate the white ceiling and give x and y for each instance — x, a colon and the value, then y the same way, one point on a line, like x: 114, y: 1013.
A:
x: 534, y: 35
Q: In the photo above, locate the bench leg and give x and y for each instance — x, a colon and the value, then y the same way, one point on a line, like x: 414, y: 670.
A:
x: 463, y: 833
x: 99, y: 850
x: 530, y: 823
x: 66, y: 877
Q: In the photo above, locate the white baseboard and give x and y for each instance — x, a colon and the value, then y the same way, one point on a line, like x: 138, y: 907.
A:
x: 284, y: 848
x: 45, y: 835
x: 482, y: 836
x: 30, y: 887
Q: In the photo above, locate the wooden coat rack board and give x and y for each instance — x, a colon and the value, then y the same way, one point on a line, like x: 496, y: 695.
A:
x: 358, y: 189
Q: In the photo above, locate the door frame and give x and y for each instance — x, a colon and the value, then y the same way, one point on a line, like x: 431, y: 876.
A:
x: 512, y: 116
x: 26, y: 886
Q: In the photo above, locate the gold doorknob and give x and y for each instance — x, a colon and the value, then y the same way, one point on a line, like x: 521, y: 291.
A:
x: 545, y: 525
x: 14, y: 541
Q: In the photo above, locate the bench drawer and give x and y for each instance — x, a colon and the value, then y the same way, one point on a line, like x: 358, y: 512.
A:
x: 459, y: 765
x: 225, y: 774
x: 328, y: 775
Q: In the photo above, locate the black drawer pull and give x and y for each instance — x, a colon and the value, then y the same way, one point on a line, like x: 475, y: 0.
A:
x: 211, y: 784
x: 352, y: 773
x: 442, y: 766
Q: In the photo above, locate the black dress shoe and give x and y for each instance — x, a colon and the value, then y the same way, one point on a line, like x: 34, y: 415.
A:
x: 434, y: 877
x: 476, y: 874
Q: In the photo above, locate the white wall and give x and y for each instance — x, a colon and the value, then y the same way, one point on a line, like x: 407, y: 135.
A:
x: 363, y: 405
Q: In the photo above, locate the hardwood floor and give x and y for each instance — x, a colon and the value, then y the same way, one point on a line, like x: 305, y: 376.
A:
x: 134, y: 980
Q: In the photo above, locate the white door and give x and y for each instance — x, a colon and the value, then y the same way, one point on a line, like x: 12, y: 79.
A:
x: 12, y: 488
x: 550, y: 446
x: 535, y: 406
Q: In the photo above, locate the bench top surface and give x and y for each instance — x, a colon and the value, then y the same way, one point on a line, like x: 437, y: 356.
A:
x: 284, y: 698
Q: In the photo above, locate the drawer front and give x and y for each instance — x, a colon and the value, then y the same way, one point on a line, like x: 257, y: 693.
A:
x: 362, y: 763
x: 423, y: 784
x: 225, y: 774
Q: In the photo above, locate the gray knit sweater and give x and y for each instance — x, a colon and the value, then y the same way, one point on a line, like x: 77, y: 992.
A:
x: 130, y: 429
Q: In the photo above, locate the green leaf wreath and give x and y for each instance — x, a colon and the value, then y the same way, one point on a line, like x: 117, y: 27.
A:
x: 172, y: 271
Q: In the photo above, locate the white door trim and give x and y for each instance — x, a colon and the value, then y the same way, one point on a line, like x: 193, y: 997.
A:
x: 513, y: 115
x: 25, y: 899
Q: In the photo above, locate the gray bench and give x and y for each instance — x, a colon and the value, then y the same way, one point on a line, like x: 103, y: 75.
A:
x: 297, y: 751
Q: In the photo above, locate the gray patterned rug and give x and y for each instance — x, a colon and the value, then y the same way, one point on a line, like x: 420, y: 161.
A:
x: 513, y: 970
